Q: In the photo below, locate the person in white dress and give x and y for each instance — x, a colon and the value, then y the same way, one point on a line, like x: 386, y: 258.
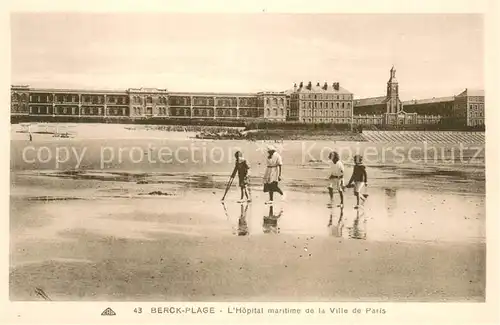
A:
x: 336, y: 178
x: 272, y: 175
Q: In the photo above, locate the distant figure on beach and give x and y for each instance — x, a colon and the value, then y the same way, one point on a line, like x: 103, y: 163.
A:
x: 272, y: 175
x: 336, y: 178
x: 242, y: 221
x: 242, y: 168
x: 270, y: 222
x: 31, y: 137
x: 360, y: 180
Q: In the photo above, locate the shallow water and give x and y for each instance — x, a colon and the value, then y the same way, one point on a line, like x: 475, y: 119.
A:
x: 69, y: 227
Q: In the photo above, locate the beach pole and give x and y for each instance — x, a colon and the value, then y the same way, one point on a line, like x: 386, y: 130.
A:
x: 229, y: 183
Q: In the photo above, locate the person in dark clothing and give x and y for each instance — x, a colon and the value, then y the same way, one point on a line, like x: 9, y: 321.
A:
x: 243, y: 169
x: 359, y: 178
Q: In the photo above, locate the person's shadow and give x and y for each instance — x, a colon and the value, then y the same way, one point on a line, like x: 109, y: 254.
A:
x: 270, y: 222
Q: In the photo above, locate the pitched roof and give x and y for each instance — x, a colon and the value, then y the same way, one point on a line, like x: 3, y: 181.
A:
x: 429, y: 100
x: 471, y: 92
x: 319, y: 89
x: 370, y: 101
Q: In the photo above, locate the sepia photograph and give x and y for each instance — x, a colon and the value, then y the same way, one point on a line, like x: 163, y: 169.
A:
x: 259, y: 157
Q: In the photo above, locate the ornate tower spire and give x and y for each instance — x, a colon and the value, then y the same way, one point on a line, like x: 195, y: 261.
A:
x: 392, y: 85
x: 393, y: 75
x: 393, y: 103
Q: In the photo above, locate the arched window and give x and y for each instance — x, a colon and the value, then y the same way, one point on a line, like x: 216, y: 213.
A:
x: 149, y: 100
x: 267, y: 101
x: 268, y: 112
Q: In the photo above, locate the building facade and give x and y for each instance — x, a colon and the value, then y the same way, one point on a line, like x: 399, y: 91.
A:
x: 19, y: 99
x: 469, y: 107
x: 145, y: 103
x: 386, y: 109
x: 330, y: 104
x: 321, y: 104
x: 274, y: 105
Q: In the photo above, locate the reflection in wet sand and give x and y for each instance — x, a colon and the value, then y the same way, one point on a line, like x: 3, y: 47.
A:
x: 242, y: 221
x: 270, y: 222
x: 242, y: 229
x: 358, y: 229
x: 337, y: 228
x: 390, y: 201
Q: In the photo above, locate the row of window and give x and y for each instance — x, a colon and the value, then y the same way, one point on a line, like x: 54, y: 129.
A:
x: 476, y: 114
x: 19, y: 97
x: 120, y: 100
x: 209, y: 101
x: 275, y: 101
x: 475, y: 107
x: 475, y: 122
x: 325, y: 113
x: 324, y: 96
x: 94, y: 99
x: 85, y: 110
x: 326, y: 120
x: 148, y: 110
x: 330, y: 105
x: 369, y: 121
x: 198, y: 112
x: 18, y: 108
x: 274, y: 112
x: 149, y: 100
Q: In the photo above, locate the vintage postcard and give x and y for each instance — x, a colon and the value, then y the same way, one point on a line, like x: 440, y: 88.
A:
x: 258, y: 165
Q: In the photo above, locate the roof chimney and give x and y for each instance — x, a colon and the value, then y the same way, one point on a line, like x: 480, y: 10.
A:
x: 317, y: 85
x: 336, y: 86
x: 309, y: 85
x: 295, y: 87
x: 325, y: 86
x: 301, y: 85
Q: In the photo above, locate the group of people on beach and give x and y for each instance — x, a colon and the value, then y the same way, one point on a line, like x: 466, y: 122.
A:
x: 272, y: 177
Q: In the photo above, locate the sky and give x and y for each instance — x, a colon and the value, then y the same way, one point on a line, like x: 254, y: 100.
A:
x: 434, y: 54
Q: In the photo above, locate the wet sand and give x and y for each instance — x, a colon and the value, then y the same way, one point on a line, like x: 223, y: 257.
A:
x: 146, y: 232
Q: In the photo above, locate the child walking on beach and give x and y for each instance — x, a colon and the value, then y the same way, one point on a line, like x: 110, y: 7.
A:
x: 359, y: 178
x: 336, y: 178
x: 272, y: 175
x: 243, y: 169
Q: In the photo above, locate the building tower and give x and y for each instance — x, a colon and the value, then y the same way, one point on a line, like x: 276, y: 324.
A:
x: 393, y: 102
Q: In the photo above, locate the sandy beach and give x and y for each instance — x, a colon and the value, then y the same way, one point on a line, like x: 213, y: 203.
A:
x: 157, y: 231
